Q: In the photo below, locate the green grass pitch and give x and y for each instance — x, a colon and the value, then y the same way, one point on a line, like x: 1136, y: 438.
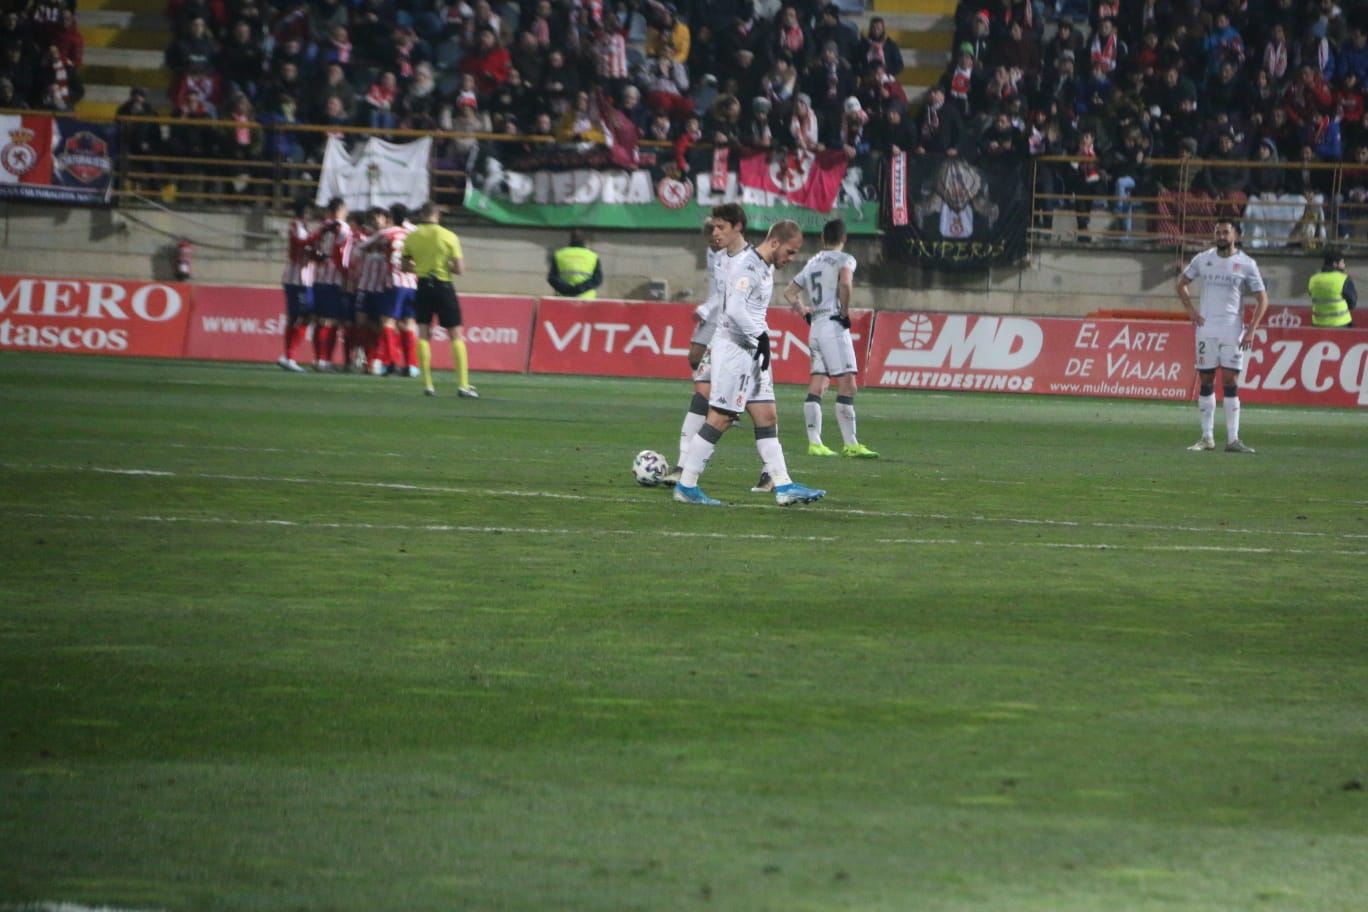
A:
x: 289, y: 642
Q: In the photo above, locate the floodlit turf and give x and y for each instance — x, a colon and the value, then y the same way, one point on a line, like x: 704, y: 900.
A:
x: 301, y: 642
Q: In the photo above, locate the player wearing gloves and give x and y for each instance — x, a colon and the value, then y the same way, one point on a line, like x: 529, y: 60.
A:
x: 827, y: 279
x: 741, y: 377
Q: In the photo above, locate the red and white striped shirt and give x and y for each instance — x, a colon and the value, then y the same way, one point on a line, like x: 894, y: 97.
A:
x: 299, y: 259
x: 332, y: 243
x: 384, y: 256
x: 611, y: 48
x: 358, y: 262
x: 387, y: 246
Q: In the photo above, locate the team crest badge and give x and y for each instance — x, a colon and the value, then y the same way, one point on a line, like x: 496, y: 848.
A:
x: 85, y: 157
x: 790, y: 172
x: 18, y: 156
x: 674, y: 194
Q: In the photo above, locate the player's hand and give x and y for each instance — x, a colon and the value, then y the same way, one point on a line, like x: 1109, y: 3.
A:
x: 762, y: 350
x: 843, y: 319
x: 807, y: 317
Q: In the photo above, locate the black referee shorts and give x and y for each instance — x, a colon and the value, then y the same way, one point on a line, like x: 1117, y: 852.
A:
x: 436, y: 299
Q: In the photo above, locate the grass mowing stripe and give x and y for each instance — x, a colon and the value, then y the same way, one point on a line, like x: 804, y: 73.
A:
x: 825, y: 507
x: 667, y: 533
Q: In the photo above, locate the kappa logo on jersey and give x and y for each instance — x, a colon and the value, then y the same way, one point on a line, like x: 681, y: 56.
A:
x: 988, y: 343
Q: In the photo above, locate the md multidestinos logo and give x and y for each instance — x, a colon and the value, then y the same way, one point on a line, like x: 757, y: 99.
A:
x: 979, y: 343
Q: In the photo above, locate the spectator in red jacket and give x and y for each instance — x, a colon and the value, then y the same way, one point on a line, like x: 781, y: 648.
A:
x: 488, y: 62
x: 1307, y: 96
x: 68, y: 38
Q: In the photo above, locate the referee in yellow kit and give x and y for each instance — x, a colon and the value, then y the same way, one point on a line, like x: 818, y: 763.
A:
x: 434, y: 253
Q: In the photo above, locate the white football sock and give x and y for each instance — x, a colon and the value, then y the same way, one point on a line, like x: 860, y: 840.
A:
x: 1206, y: 410
x: 812, y: 415
x: 1231, y: 404
x: 845, y: 417
x: 772, y: 455
x: 692, y: 422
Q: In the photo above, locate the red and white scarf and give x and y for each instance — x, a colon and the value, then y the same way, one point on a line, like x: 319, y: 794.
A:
x: 1104, y: 52
x: 59, y: 76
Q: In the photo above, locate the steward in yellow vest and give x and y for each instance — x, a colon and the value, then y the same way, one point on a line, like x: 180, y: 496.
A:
x: 1332, y: 294
x: 575, y: 269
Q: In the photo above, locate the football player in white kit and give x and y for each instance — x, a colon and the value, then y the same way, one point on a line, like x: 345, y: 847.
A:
x: 741, y: 377
x: 725, y: 230
x: 828, y: 279
x: 1227, y: 274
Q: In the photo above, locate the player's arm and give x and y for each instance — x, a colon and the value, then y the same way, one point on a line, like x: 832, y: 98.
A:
x: 1185, y: 297
x: 794, y: 295
x: 457, y: 265
x: 845, y: 286
x: 1260, y: 308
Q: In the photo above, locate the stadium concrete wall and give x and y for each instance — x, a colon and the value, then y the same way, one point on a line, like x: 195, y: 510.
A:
x: 247, y: 248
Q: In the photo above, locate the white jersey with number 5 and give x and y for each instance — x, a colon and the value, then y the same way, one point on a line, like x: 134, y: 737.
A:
x: 820, y: 279
x: 1225, y: 282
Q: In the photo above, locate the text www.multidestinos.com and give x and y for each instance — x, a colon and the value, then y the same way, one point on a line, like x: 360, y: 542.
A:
x: 1131, y: 390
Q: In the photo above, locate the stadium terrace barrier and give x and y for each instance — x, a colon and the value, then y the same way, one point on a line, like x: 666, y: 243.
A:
x: 1290, y: 363
x: 1176, y: 211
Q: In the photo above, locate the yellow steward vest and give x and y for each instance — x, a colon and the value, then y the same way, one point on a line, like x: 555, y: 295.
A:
x: 576, y: 264
x: 1328, y: 307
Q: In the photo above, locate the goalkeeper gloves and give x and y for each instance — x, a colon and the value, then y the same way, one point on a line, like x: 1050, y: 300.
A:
x: 808, y: 318
x: 762, y: 350
x: 843, y: 319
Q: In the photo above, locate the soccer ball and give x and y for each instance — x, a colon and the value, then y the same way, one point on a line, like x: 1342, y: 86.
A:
x: 649, y: 467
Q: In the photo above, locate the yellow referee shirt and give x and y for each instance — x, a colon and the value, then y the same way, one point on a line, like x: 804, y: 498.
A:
x: 432, y: 248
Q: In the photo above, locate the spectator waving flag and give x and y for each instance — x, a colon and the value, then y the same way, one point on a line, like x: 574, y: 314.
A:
x: 379, y: 173
x: 811, y: 181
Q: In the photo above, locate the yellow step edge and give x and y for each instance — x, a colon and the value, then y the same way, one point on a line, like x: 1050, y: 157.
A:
x: 125, y: 6
x: 922, y: 41
x: 95, y: 74
x: 96, y: 110
x: 932, y: 7
x: 130, y: 39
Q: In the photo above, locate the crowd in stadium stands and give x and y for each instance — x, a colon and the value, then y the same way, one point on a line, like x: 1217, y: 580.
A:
x: 1233, y: 82
x: 42, y: 50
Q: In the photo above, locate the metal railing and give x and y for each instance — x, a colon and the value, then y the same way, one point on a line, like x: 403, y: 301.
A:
x: 1166, y: 207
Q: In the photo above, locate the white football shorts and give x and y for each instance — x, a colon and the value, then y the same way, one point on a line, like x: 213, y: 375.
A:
x: 1219, y: 346
x: 737, y: 378
x: 833, y: 352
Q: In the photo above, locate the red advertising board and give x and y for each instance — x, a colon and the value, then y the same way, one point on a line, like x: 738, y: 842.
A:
x: 636, y: 339
x: 93, y: 316
x: 1298, y: 366
x: 1151, y: 360
x: 245, y: 324
x: 1122, y: 358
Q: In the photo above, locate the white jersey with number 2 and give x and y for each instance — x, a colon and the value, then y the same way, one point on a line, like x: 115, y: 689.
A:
x: 1225, y: 282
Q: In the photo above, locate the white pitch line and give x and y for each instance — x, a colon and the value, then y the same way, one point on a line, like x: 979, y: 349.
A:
x: 1096, y: 546
x: 422, y: 527
x: 826, y: 508
x: 352, y: 454
x: 661, y: 533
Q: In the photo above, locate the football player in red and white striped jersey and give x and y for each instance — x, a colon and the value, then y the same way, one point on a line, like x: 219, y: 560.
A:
x: 298, y: 280
x: 332, y: 243
x: 388, y: 285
